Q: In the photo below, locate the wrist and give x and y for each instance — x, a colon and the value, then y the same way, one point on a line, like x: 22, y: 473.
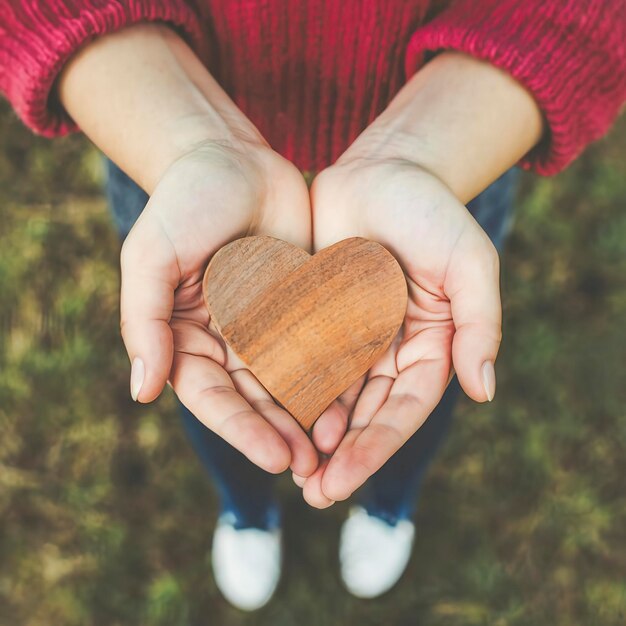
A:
x: 144, y: 98
x: 460, y: 119
x: 190, y: 133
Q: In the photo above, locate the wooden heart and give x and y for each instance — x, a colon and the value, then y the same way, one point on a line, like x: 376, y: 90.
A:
x: 306, y: 326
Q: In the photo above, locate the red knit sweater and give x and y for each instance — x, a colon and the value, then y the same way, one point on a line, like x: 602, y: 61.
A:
x: 311, y: 75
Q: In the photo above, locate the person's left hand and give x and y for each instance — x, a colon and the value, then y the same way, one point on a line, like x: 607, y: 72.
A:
x: 452, y: 321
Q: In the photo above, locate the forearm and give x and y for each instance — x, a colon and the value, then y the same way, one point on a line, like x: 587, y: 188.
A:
x: 143, y: 97
x: 460, y: 118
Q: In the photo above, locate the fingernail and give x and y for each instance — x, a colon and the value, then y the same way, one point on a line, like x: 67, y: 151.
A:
x: 137, y: 374
x: 489, y: 379
x: 298, y: 480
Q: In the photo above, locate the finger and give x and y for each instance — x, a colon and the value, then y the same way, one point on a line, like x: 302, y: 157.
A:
x: 304, y: 457
x: 332, y: 423
x: 367, y: 446
x: 330, y: 427
x: 474, y: 292
x: 312, y: 489
x: 298, y: 480
x: 191, y: 336
x: 374, y: 394
x: 149, y: 277
x: 207, y: 390
x: 380, y: 379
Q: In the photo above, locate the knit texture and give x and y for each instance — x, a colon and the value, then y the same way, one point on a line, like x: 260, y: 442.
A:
x: 37, y: 38
x: 570, y: 54
x: 312, y: 75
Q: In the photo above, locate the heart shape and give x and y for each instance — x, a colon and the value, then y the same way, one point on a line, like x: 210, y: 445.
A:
x: 306, y: 326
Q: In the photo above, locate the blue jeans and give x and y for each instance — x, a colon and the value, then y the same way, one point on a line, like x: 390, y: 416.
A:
x: 392, y: 492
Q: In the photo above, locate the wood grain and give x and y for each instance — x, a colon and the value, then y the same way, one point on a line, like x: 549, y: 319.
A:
x: 306, y: 326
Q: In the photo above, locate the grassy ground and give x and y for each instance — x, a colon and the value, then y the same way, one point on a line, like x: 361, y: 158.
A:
x: 106, y: 517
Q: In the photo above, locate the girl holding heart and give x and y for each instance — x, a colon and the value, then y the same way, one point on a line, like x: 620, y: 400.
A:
x: 407, y: 112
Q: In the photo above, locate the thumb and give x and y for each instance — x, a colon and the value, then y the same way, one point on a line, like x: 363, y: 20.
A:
x: 473, y: 288
x: 149, y: 277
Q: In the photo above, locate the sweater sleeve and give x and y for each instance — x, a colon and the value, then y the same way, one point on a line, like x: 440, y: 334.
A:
x: 38, y: 37
x: 570, y: 54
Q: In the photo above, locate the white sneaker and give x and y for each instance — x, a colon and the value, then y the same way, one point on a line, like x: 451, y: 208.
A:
x: 246, y: 563
x: 373, y: 554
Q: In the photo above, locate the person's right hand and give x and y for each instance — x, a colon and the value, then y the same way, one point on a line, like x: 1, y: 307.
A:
x: 148, y: 102
x: 212, y: 195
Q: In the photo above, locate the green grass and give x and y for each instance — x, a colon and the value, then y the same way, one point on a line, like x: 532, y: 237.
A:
x: 106, y: 516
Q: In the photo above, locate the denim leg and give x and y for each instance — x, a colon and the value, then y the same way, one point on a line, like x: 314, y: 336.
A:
x: 244, y: 489
x: 393, y: 491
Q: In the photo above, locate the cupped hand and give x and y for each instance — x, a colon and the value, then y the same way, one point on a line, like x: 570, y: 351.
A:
x: 452, y: 323
x: 214, y: 194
